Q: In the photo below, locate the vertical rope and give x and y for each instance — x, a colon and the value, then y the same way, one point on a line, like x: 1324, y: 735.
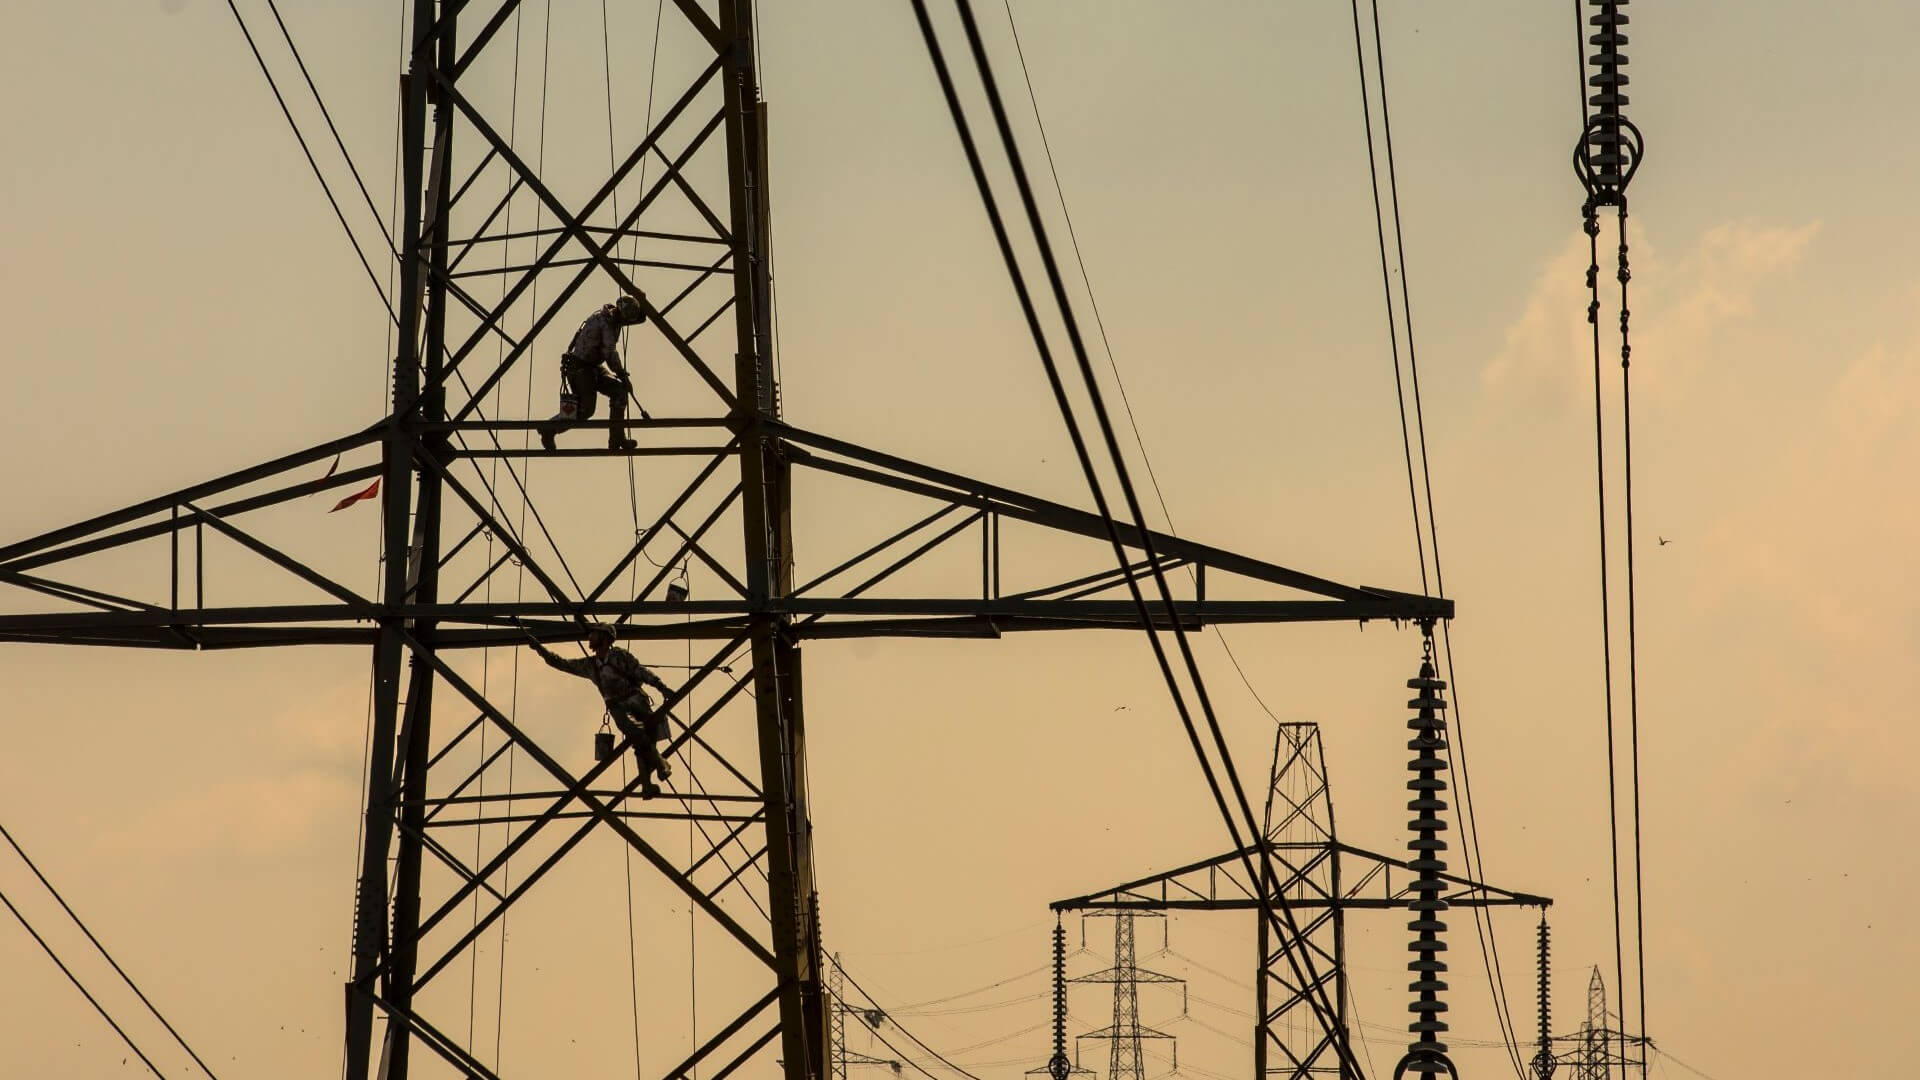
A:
x: 486, y: 655
x: 520, y: 575
x: 633, y: 504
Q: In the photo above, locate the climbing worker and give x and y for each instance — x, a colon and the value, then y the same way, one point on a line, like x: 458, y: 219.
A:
x: 622, y: 681
x: 596, y: 343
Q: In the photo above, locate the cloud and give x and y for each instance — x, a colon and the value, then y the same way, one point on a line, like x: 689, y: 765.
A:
x: 254, y: 818
x: 1822, y: 555
x: 1779, y: 631
x: 301, y: 787
x: 326, y: 730
x: 1679, y: 306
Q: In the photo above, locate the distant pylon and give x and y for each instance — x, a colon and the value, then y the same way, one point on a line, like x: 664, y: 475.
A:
x: 1593, y: 1031
x: 1598, y: 1048
x: 1127, y: 1059
x: 838, y: 1055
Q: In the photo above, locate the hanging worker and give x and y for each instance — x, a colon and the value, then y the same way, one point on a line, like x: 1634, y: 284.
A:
x: 596, y: 343
x: 622, y: 681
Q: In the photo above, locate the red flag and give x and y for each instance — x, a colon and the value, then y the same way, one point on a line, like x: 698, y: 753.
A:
x: 330, y: 471
x: 370, y: 491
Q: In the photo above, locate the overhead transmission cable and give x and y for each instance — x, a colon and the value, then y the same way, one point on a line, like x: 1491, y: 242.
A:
x: 1608, y: 154
x: 1487, y: 940
x: 1668, y: 1056
x: 111, y: 962
x: 328, y: 117
x: 851, y: 981
x: 1317, y: 998
x: 352, y: 237
x: 1106, y: 346
x: 931, y: 1002
x: 1591, y: 226
x: 1633, y: 649
x: 77, y: 985
x: 325, y: 188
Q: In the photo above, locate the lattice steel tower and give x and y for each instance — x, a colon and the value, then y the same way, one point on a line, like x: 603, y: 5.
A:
x: 1598, y: 1049
x: 1126, y: 1035
x: 697, y: 238
x: 1322, y: 879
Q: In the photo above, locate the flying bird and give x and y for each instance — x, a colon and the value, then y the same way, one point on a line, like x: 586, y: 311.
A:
x: 1664, y: 541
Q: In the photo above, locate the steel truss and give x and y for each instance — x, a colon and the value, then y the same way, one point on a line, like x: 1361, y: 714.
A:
x: 1318, y: 877
x: 448, y: 536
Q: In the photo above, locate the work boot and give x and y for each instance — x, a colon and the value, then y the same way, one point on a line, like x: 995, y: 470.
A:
x: 649, y: 790
x: 617, y: 442
x: 546, y: 439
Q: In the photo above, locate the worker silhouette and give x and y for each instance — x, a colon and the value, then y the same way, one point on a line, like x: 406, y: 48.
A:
x: 594, y: 344
x: 622, y: 682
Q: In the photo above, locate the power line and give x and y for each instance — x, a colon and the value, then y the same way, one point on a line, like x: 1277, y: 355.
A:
x: 1633, y: 644
x: 976, y: 990
x: 1386, y: 286
x: 1482, y: 921
x: 1317, y: 998
x: 118, y: 970
x: 48, y: 949
x: 851, y: 981
x: 1106, y: 346
x: 1592, y: 226
x: 1669, y: 1056
x: 328, y: 116
x: 325, y: 188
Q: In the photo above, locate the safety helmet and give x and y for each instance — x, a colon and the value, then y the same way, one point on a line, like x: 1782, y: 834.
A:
x: 629, y: 310
x: 597, y: 631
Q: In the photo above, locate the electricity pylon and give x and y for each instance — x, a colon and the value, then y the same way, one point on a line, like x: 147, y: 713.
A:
x: 1322, y: 879
x: 1126, y: 1035
x: 1598, y: 1049
x: 698, y: 241
x: 840, y: 1055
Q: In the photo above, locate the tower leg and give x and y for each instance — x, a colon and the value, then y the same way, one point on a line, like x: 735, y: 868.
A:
x: 1264, y: 1028
x: 793, y: 900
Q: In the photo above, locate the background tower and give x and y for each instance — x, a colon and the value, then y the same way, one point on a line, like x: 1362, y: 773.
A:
x: 839, y: 1055
x: 1595, y: 1059
x: 1322, y: 879
x: 1599, y: 1048
x: 1126, y: 1035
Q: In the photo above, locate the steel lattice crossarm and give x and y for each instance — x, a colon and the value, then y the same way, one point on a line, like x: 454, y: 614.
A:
x: 165, y: 607
x: 1220, y: 884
